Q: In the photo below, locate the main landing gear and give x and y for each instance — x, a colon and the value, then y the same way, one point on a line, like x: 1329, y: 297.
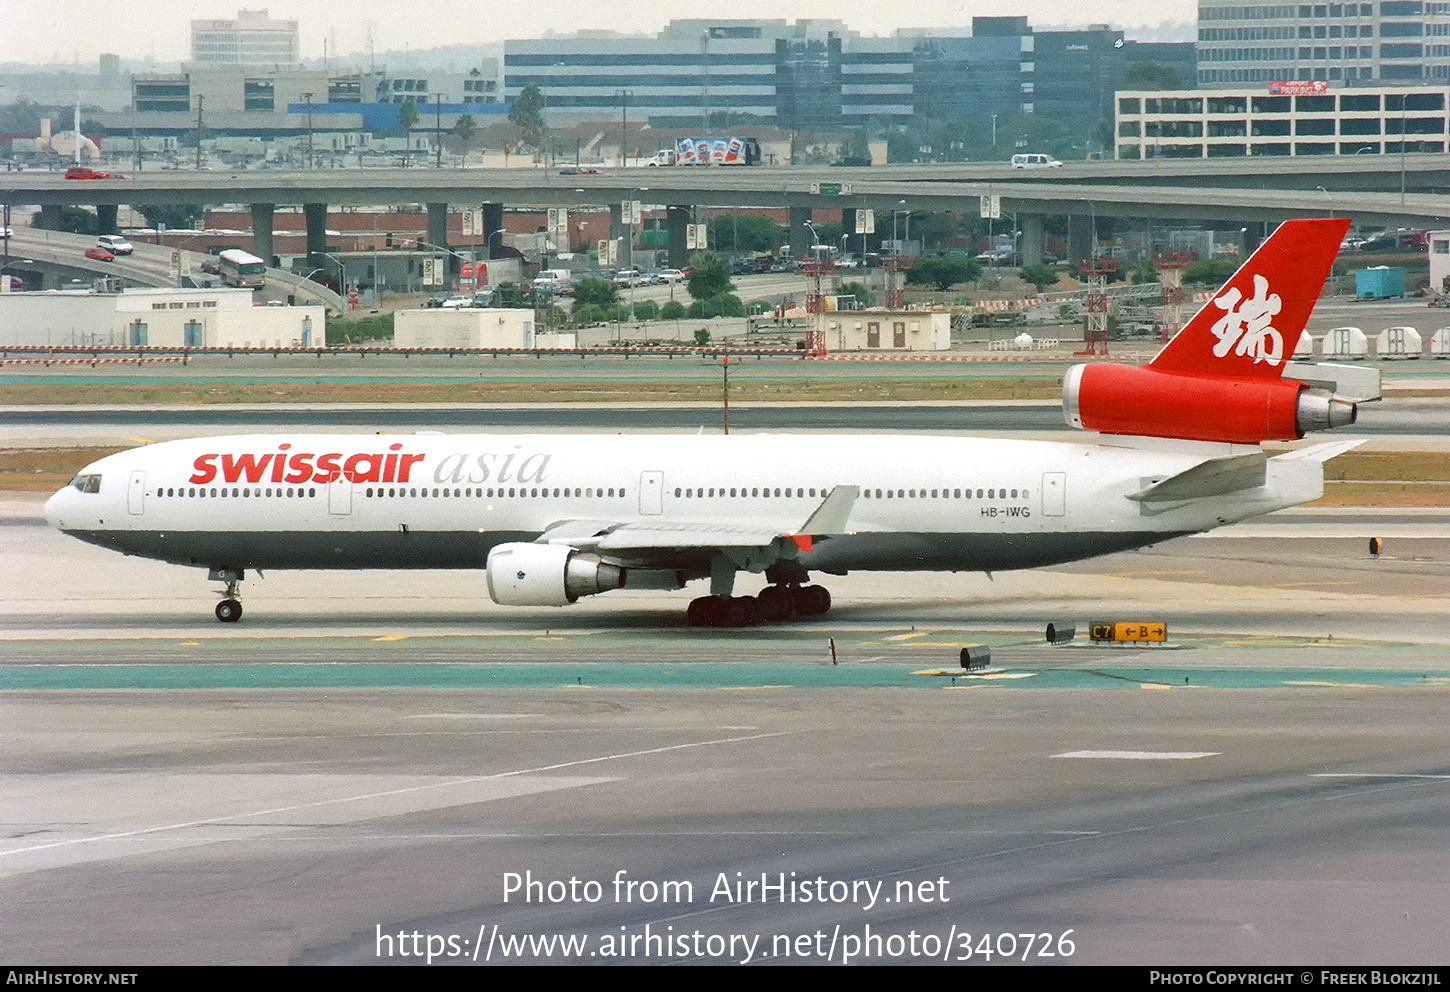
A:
x: 229, y: 610
x: 775, y: 604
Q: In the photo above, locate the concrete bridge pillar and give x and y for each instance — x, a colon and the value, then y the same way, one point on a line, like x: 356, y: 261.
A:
x: 106, y: 218
x: 315, y: 214
x: 616, y: 222
x: 262, y: 230
x: 800, y: 236
x: 1031, y: 240
x: 677, y: 219
x: 1079, y: 238
x: 493, y: 227
x: 438, y: 224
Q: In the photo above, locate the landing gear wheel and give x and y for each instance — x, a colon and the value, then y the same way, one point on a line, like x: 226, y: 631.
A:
x: 811, y: 601
x: 774, y: 603
x: 707, y: 611
x: 742, y: 611
x: 229, y: 611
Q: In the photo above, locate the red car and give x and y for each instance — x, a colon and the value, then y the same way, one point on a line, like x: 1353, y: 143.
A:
x: 86, y: 172
x: 100, y: 254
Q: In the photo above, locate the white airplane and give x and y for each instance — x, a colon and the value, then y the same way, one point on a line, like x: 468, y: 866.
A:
x: 552, y: 518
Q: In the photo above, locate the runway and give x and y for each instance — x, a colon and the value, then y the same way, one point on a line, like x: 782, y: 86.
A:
x: 387, y: 754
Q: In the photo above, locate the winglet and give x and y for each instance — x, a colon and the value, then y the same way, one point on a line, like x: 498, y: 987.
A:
x: 831, y: 516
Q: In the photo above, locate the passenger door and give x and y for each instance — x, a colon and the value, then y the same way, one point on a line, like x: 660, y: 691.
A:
x: 1054, y: 494
x: 651, y: 493
x: 136, y: 494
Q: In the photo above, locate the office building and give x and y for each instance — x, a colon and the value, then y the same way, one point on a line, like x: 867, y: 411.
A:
x: 252, y: 39
x: 1292, y: 118
x: 1349, y: 44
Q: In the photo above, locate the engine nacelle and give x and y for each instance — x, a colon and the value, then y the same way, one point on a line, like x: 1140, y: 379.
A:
x: 547, y: 575
x: 1146, y: 402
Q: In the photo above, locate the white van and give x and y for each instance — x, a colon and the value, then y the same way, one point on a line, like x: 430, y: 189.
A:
x: 1032, y: 161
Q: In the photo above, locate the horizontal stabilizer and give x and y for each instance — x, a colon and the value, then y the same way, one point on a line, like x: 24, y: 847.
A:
x: 1356, y: 383
x: 1321, y: 453
x: 831, y: 516
x: 1215, y: 477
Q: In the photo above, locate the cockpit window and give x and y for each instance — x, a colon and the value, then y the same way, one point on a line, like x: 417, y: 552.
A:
x: 87, y: 483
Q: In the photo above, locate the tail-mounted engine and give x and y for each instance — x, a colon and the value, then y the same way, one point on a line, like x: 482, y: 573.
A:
x: 1146, y: 402
x: 547, y: 575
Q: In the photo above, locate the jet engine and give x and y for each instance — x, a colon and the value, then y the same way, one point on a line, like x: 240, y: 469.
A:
x: 1147, y: 402
x: 547, y: 575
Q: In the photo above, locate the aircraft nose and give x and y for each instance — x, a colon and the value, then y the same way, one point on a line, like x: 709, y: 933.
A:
x: 55, y: 508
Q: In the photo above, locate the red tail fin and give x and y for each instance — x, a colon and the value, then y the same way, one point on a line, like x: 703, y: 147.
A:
x: 1251, y: 326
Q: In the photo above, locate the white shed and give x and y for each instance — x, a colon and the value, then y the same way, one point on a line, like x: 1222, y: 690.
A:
x: 466, y: 327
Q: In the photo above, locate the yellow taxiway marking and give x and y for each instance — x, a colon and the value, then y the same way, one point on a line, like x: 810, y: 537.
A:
x: 1140, y: 755
x: 392, y: 637
x: 907, y: 637
x: 191, y: 644
x: 1338, y: 685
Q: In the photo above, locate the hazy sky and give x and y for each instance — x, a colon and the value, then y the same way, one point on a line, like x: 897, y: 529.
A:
x: 40, y: 31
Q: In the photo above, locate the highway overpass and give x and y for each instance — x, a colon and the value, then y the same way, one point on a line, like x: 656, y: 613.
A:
x: 1197, y: 190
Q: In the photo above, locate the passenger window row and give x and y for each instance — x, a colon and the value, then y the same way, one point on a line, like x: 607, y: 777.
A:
x: 498, y: 492
x: 791, y: 492
x: 236, y: 492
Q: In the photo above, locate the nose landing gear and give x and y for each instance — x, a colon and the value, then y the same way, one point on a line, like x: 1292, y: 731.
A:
x: 229, y: 610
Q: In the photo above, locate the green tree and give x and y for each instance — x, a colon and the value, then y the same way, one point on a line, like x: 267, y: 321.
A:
x: 78, y: 220
x: 1040, y: 276
x: 943, y: 273
x: 860, y: 291
x: 528, y: 113
x: 175, y: 216
x: 673, y: 310
x: 933, y: 229
x: 408, y: 116
x: 709, y: 276
x: 745, y: 233
x: 464, y: 129
x: 720, y: 305
x: 646, y: 310
x: 599, y: 292
x: 21, y: 117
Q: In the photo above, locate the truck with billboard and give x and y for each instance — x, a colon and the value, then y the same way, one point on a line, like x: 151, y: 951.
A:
x: 708, y: 151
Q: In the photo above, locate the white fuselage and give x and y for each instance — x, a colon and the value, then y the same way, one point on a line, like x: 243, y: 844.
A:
x: 443, y: 501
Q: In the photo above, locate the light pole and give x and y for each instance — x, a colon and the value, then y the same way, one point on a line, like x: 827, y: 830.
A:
x: 447, y: 251
x: 311, y: 163
x: 488, y: 242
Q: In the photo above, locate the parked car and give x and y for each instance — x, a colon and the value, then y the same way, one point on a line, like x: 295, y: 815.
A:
x: 581, y: 170
x: 100, y: 254
x: 456, y: 303
x: 115, y: 244
x: 86, y: 172
x: 670, y: 275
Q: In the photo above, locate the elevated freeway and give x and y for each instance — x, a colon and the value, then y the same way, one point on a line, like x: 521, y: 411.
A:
x: 61, y: 256
x: 1236, y: 193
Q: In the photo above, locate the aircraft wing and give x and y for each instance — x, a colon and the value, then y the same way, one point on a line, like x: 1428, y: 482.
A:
x: 637, y: 537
